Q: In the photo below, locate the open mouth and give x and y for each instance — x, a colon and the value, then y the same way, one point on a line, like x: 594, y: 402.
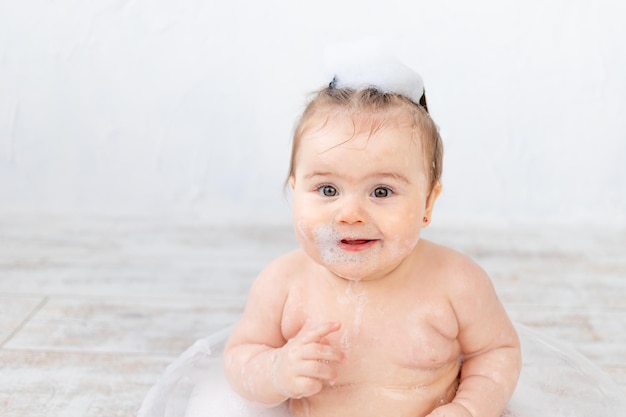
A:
x: 355, y: 241
x: 356, y: 244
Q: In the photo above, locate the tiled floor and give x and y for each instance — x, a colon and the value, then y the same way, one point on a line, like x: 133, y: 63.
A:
x: 92, y: 310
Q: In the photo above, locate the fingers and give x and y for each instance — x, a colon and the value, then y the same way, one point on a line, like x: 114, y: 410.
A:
x: 305, y: 363
x: 322, y: 353
x: 316, y: 347
x: 296, y: 377
x: 319, y: 370
x: 305, y: 387
x: 316, y: 334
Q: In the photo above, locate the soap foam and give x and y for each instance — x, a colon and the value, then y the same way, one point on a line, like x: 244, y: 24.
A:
x: 350, y: 265
x: 357, y: 299
x: 370, y: 63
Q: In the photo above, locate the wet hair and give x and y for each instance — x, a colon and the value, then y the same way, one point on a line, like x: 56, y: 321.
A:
x: 372, y: 102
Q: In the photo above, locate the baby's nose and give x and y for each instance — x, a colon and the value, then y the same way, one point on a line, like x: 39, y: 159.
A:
x: 351, y: 211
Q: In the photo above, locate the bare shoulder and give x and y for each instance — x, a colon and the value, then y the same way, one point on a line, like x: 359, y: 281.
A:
x: 472, y: 296
x: 281, y: 270
x: 274, y: 281
x: 466, y: 284
x: 261, y: 320
x: 457, y: 271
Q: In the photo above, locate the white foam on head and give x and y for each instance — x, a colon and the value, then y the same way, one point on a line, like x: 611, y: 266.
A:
x: 369, y: 63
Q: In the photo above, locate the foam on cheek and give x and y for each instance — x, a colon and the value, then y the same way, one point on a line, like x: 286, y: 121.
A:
x: 397, y: 247
x: 327, y: 238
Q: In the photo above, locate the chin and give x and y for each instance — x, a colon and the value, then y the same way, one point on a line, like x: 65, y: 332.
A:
x: 356, y: 273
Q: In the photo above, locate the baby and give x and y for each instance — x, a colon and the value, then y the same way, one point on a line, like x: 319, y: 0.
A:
x: 367, y: 319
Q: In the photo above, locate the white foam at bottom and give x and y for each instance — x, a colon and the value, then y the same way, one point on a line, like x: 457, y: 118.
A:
x: 555, y: 382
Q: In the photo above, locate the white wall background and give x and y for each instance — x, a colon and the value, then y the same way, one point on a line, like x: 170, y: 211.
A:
x: 186, y: 108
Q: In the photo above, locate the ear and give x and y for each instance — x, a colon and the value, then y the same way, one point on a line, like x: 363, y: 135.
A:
x: 292, y: 182
x: 430, y: 203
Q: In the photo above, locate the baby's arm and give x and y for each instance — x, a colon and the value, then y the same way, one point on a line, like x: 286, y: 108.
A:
x: 490, y: 345
x: 261, y: 365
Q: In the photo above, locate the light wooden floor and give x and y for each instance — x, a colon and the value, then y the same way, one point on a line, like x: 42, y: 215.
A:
x: 92, y: 310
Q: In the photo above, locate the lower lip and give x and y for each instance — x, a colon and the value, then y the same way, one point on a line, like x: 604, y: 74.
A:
x: 356, y: 245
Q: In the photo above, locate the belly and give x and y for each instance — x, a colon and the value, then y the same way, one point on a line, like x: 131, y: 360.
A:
x: 376, y: 400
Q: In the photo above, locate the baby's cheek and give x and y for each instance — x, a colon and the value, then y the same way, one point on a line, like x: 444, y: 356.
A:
x: 404, y: 246
x: 313, y: 238
x: 314, y: 233
x: 304, y: 230
x: 400, y: 248
x: 407, y: 230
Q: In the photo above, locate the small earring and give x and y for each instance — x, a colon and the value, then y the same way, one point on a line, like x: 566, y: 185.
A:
x: 425, y: 219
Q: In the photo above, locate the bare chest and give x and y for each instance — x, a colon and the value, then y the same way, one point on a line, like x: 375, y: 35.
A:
x: 404, y: 337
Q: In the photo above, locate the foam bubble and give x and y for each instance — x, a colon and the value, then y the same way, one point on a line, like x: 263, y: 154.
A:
x: 357, y: 299
x: 327, y: 238
x: 369, y: 63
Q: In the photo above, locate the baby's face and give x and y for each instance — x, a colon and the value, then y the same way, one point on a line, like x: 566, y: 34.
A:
x: 359, y: 196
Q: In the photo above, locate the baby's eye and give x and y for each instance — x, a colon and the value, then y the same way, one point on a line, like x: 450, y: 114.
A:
x: 327, y: 190
x: 381, y: 192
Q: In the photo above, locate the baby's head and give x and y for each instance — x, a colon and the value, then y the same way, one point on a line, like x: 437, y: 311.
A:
x: 365, y: 167
x: 375, y: 109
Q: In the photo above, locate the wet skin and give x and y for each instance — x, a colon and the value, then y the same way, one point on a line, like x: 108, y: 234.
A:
x: 367, y: 319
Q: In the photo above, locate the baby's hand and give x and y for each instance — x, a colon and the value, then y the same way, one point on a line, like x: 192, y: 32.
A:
x: 450, y: 410
x: 306, y: 362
